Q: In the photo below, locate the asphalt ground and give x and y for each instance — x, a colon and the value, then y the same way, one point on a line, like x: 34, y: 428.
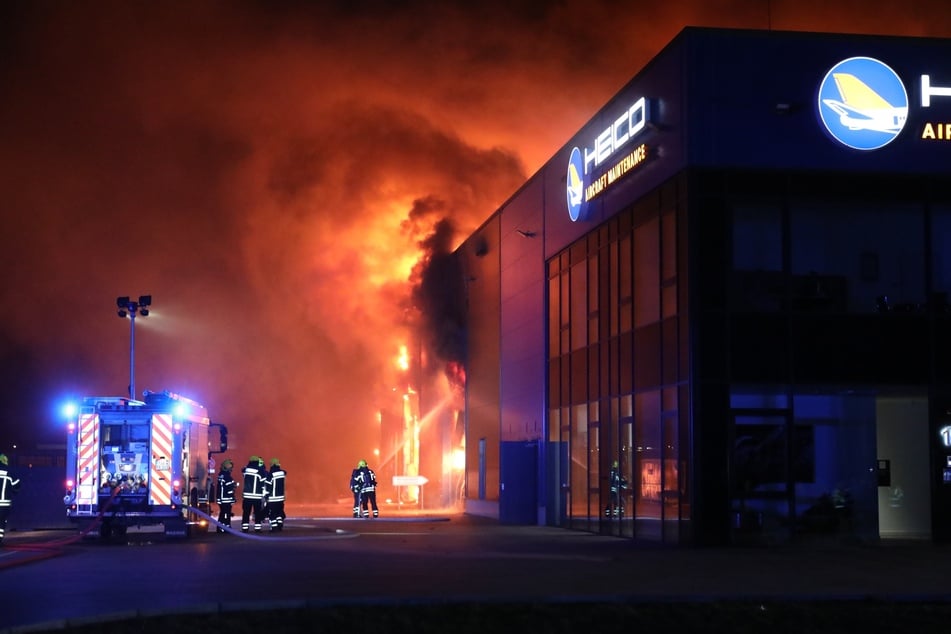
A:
x: 460, y: 572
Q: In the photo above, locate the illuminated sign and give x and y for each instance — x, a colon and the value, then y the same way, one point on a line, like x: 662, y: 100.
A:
x: 580, y: 185
x: 863, y: 104
x: 575, y: 185
x: 616, y: 171
x: 934, y: 131
x: 945, y: 433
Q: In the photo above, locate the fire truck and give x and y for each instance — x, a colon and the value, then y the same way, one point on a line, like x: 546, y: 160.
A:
x: 141, y: 463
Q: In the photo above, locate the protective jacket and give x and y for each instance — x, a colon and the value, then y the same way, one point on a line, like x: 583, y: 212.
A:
x: 9, y: 485
x: 256, y: 479
x: 226, y: 487
x: 366, y: 479
x: 277, y: 484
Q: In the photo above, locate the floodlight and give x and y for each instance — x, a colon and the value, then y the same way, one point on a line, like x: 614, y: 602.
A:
x: 130, y: 308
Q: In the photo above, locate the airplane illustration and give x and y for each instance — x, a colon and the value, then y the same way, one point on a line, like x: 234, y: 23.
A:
x: 575, y: 185
x: 861, y: 108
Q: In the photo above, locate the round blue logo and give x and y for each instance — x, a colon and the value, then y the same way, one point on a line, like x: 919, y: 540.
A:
x: 575, y: 186
x: 863, y: 103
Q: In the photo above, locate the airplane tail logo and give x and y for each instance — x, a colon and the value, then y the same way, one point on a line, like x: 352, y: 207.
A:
x: 574, y: 184
x: 863, y: 103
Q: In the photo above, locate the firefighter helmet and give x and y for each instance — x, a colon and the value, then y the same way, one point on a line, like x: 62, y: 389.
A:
x: 227, y: 464
x: 362, y: 463
x: 254, y: 460
x: 275, y: 461
x: 4, y: 459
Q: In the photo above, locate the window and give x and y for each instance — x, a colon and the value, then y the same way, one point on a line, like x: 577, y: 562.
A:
x: 859, y: 258
x: 941, y: 257
x: 646, y: 273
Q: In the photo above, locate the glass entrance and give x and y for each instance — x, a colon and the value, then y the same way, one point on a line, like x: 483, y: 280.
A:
x: 760, y: 474
x: 844, y: 466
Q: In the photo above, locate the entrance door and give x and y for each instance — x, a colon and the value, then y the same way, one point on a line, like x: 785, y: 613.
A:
x: 761, y: 473
x: 518, y: 495
x: 904, y: 485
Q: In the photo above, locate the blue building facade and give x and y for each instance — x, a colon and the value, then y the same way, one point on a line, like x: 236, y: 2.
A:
x: 732, y: 286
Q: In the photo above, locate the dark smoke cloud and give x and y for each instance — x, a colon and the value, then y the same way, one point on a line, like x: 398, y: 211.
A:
x: 439, y: 296
x: 288, y: 181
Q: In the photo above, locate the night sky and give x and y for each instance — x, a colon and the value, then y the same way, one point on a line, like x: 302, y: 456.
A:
x: 278, y: 176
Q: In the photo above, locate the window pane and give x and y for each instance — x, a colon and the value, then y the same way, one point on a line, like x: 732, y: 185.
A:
x: 593, y: 287
x: 579, y: 464
x: 647, y: 470
x: 646, y: 273
x: 757, y: 237
x: 669, y: 228
x: 579, y: 305
x: 859, y: 258
x: 554, y: 320
x: 613, y: 315
x: 941, y: 255
x: 579, y: 376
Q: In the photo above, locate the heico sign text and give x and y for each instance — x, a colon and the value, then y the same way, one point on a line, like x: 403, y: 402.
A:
x: 580, y: 185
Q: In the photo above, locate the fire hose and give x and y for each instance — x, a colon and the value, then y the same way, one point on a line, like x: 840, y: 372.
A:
x: 53, y: 548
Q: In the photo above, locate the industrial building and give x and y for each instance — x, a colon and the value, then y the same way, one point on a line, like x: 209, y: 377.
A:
x: 733, y: 281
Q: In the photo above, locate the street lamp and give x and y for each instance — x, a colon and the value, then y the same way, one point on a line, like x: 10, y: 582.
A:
x: 131, y: 308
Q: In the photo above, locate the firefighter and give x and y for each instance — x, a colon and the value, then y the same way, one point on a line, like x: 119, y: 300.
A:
x: 617, y: 484
x: 355, y: 488
x: 275, y: 501
x: 9, y: 485
x: 267, y: 488
x: 367, y: 480
x: 226, y: 489
x: 254, y: 494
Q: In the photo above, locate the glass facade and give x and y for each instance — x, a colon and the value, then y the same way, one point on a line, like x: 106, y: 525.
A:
x: 617, y: 380
x: 828, y: 312
x: 807, y: 404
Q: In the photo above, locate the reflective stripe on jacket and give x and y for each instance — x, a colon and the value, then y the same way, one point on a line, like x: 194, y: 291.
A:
x: 9, y: 484
x: 366, y: 479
